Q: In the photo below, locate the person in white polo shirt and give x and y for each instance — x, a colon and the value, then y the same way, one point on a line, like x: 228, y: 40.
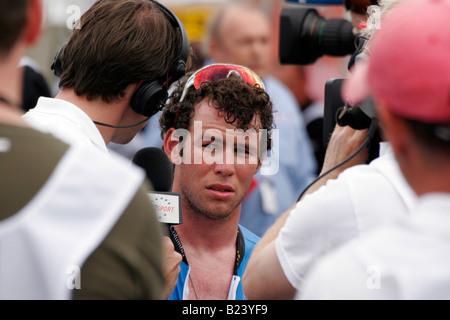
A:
x: 74, y: 223
x: 408, y: 76
x: 113, y: 76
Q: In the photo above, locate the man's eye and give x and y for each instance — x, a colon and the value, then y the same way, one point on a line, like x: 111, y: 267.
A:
x: 208, y: 144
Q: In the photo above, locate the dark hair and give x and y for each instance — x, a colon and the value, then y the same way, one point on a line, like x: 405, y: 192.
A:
x: 119, y: 43
x: 13, y: 16
x: 237, y: 100
x: 359, y: 6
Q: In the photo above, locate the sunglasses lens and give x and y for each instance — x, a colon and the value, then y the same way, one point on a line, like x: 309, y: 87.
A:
x: 251, y: 78
x: 216, y: 72
x: 210, y: 74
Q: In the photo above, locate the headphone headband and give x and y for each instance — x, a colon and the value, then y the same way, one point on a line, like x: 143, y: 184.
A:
x: 151, y: 96
x: 184, y: 54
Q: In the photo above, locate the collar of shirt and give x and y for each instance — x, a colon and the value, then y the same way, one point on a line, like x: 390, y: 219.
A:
x: 64, y: 112
x: 385, y: 148
x: 431, y: 215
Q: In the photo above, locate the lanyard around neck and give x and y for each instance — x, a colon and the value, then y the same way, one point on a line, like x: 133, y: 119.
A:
x: 240, y: 247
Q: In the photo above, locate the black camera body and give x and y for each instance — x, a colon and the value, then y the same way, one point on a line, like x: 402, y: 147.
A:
x: 305, y: 36
x: 358, y: 117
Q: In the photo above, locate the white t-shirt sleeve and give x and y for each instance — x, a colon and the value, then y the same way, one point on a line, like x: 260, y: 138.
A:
x: 357, y: 271
x: 319, y: 223
x: 337, y: 276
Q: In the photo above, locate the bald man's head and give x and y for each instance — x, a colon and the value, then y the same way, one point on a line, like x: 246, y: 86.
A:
x: 241, y: 34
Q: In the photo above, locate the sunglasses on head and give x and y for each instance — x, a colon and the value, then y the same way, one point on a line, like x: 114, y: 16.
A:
x: 216, y: 72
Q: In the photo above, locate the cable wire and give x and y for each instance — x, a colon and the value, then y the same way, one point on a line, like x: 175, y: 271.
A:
x: 372, y: 130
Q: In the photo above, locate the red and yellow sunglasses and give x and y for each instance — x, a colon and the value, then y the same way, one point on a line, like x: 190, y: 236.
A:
x: 216, y: 72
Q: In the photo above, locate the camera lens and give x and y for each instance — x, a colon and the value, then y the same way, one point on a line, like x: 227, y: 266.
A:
x: 305, y: 36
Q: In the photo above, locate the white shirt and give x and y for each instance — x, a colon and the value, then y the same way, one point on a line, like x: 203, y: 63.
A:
x: 345, y: 208
x: 44, y: 245
x: 407, y: 260
x: 65, y: 121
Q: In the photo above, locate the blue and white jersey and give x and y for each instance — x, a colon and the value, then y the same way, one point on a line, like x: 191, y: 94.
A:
x: 245, y: 244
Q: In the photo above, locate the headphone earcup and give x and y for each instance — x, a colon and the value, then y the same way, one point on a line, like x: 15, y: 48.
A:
x: 57, y: 64
x: 179, y: 69
x: 149, y: 98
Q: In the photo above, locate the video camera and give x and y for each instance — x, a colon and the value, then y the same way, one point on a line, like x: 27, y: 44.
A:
x: 305, y: 36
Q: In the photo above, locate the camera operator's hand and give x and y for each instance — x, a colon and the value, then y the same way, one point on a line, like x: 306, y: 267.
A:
x: 171, y: 266
x: 344, y: 142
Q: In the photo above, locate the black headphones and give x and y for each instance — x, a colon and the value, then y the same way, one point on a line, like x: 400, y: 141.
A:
x: 151, y: 95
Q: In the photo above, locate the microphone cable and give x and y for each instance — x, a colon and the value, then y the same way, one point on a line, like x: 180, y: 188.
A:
x: 121, y: 127
x: 372, y: 129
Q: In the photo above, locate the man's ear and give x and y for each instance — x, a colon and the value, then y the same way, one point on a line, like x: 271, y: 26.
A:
x: 34, y: 22
x: 173, y: 146
x: 394, y: 129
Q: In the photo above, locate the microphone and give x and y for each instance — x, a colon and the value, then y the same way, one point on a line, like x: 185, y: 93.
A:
x: 159, y: 171
x: 157, y: 167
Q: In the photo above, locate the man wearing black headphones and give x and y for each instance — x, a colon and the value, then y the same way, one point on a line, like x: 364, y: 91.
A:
x: 74, y: 223
x: 115, y: 71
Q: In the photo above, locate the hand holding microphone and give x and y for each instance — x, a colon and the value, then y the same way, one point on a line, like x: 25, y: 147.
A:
x: 171, y: 266
x: 167, y: 205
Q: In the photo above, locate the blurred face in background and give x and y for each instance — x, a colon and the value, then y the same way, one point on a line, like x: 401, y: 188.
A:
x: 244, y: 38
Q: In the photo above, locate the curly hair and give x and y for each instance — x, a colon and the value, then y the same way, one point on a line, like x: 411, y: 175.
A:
x: 238, y: 101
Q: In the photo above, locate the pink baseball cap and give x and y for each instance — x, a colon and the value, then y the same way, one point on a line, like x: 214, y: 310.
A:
x: 409, y: 66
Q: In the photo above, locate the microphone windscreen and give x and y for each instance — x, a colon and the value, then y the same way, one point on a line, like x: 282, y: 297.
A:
x: 158, y: 168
